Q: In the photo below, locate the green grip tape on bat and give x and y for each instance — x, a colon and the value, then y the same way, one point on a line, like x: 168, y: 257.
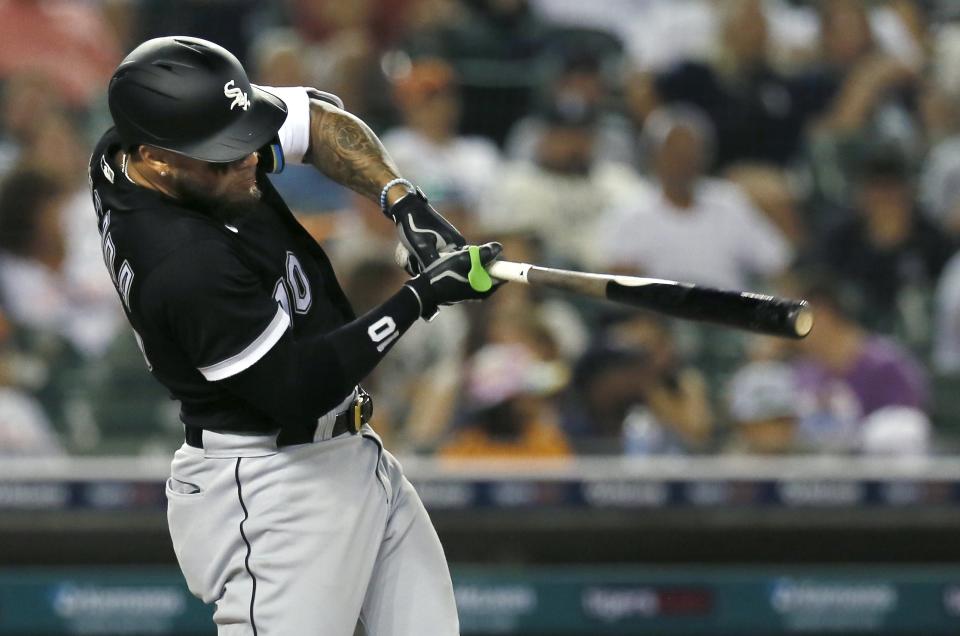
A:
x: 479, y: 278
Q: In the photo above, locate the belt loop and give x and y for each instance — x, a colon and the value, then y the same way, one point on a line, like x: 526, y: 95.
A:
x: 324, y: 429
x: 327, y: 424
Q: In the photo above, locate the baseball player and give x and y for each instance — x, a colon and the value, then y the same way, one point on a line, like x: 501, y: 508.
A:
x: 284, y: 509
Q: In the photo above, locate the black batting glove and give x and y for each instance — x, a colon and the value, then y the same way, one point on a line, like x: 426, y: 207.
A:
x: 423, y: 232
x: 446, y: 281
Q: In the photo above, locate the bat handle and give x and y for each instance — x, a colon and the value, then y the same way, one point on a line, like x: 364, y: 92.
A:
x: 509, y: 271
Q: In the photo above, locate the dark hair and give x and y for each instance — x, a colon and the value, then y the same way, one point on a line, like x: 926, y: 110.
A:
x: 23, y: 195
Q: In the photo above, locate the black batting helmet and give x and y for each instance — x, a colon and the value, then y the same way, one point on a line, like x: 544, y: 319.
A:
x: 192, y: 97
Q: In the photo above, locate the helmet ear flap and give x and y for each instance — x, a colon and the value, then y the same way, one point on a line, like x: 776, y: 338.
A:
x: 271, y: 157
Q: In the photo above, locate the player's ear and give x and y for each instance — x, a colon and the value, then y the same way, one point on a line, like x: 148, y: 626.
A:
x: 155, y: 158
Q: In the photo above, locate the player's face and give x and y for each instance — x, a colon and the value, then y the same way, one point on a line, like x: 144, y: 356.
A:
x: 225, y: 182
x: 230, y: 188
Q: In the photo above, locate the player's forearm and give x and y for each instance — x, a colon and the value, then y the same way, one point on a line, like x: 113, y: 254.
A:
x: 361, y: 344
x: 299, y: 380
x: 346, y: 150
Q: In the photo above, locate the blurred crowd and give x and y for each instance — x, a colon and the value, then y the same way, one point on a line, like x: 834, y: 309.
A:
x: 808, y: 148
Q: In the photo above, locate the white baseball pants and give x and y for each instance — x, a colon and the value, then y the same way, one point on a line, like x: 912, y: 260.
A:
x: 307, y: 540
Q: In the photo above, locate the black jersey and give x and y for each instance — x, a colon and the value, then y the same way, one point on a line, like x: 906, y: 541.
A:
x: 208, y: 299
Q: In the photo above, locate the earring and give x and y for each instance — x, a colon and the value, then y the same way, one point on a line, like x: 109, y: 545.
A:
x: 163, y: 173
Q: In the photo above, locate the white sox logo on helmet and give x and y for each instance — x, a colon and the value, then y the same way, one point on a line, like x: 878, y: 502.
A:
x: 237, y: 95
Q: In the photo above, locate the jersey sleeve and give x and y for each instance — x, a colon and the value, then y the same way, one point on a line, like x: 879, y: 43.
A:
x: 206, y: 300
x: 294, y: 134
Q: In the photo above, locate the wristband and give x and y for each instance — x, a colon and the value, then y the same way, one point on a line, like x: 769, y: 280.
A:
x: 390, y: 184
x: 422, y: 289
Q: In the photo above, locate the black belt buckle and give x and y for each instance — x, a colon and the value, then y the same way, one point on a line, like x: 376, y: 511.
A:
x: 362, y: 410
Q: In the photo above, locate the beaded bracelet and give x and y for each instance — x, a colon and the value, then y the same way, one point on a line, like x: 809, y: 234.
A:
x: 390, y: 184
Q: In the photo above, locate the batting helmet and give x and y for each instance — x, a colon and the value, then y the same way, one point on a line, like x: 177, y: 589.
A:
x: 192, y: 97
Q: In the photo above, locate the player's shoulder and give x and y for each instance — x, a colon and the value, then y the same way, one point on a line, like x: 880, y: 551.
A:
x: 203, y: 269
x: 158, y: 237
x: 198, y: 258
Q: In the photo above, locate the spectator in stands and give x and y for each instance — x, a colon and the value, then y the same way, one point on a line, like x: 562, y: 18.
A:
x: 945, y: 352
x: 279, y: 58
x: 663, y: 32
x: 509, y: 415
x: 775, y: 193
x: 864, y: 95
x: 762, y: 403
x: 427, y: 147
x: 68, y: 42
x: 345, y: 41
x: 755, y: 109
x: 632, y: 393
x: 56, y: 149
x: 682, y: 225
x: 640, y: 98
x: 579, y: 83
x: 886, y: 251
x: 35, y: 289
x: 844, y: 373
x: 282, y: 58
x: 560, y: 195
x: 939, y: 180
x: 498, y: 50
x: 940, y: 185
x: 24, y: 427
x: 26, y: 100
x: 31, y: 240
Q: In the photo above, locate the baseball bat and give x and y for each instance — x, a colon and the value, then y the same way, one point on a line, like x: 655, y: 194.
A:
x: 743, y: 310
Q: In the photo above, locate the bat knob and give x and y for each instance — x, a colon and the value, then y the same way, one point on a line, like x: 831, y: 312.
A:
x: 801, y: 319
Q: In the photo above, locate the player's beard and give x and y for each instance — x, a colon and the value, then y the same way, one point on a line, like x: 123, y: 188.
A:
x: 228, y: 207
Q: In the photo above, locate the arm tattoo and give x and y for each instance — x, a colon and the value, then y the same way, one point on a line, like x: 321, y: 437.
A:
x: 346, y: 150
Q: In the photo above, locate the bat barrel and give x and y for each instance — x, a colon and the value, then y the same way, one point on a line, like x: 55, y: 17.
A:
x: 801, y: 317
x: 744, y: 310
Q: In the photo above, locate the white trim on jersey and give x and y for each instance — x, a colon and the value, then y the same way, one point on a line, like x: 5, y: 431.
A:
x: 252, y: 353
x: 294, y: 134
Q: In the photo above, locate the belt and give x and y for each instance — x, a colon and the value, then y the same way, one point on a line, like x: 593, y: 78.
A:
x: 350, y: 421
